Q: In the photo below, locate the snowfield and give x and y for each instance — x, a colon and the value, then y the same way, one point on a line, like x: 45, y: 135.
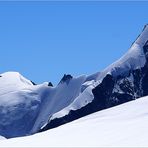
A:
x: 124, y: 126
x: 133, y: 59
x: 26, y: 108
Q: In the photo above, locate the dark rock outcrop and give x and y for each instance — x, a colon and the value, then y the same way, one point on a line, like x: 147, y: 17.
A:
x: 50, y: 84
x: 33, y: 83
x: 66, y: 78
x: 110, y: 92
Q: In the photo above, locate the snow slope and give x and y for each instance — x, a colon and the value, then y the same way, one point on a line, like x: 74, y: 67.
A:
x: 124, y: 126
x: 17, y: 98
x: 12, y: 81
x: 57, y: 99
x: 133, y: 59
x: 25, y: 108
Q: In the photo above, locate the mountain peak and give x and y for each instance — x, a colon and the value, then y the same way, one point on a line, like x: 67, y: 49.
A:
x: 14, y: 78
x: 143, y: 37
x: 66, y: 78
x: 133, y: 59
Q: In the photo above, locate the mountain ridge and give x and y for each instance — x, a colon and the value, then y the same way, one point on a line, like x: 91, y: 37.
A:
x: 45, y: 106
x: 121, y: 126
x: 125, y: 72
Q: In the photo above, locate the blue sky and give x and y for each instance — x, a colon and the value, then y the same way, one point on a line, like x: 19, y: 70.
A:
x: 44, y: 40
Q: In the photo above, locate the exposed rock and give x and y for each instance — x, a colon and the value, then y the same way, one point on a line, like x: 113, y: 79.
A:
x: 112, y: 91
x: 50, y: 84
x: 33, y: 83
x: 66, y: 78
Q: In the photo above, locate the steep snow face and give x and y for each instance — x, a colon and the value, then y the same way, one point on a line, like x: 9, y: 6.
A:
x: 142, y: 38
x: 121, y: 82
x: 133, y: 59
x: 25, y: 108
x: 58, y: 98
x: 82, y: 100
x: 121, y: 126
x: 84, y: 97
x: 19, y: 104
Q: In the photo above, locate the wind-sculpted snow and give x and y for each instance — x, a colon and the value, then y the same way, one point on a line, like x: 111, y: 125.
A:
x: 19, y: 104
x: 132, y: 60
x: 125, y: 83
x: 57, y: 99
x: 27, y: 108
x: 121, y: 126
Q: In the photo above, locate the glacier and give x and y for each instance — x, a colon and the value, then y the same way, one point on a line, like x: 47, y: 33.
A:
x: 26, y: 108
x: 121, y: 126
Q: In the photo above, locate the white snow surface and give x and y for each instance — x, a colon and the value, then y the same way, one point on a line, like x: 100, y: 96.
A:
x: 12, y: 81
x: 82, y: 100
x: 25, y: 108
x: 57, y: 99
x: 133, y: 59
x: 120, y: 126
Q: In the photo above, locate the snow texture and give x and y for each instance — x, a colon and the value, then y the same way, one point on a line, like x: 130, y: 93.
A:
x: 25, y: 108
x: 133, y: 59
x: 120, y: 126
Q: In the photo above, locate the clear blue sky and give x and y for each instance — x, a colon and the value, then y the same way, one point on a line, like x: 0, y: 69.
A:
x: 44, y: 40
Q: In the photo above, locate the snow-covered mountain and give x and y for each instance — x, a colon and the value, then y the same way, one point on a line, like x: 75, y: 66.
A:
x: 121, y: 126
x: 26, y: 108
x: 123, y: 81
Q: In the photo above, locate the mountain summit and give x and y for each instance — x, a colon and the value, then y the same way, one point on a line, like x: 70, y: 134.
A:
x: 26, y: 108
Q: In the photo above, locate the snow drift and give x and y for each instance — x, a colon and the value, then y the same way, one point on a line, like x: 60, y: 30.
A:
x: 26, y: 108
x: 120, y: 126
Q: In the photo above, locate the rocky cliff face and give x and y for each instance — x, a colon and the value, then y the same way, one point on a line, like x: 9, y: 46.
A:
x: 123, y: 81
x: 27, y: 108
